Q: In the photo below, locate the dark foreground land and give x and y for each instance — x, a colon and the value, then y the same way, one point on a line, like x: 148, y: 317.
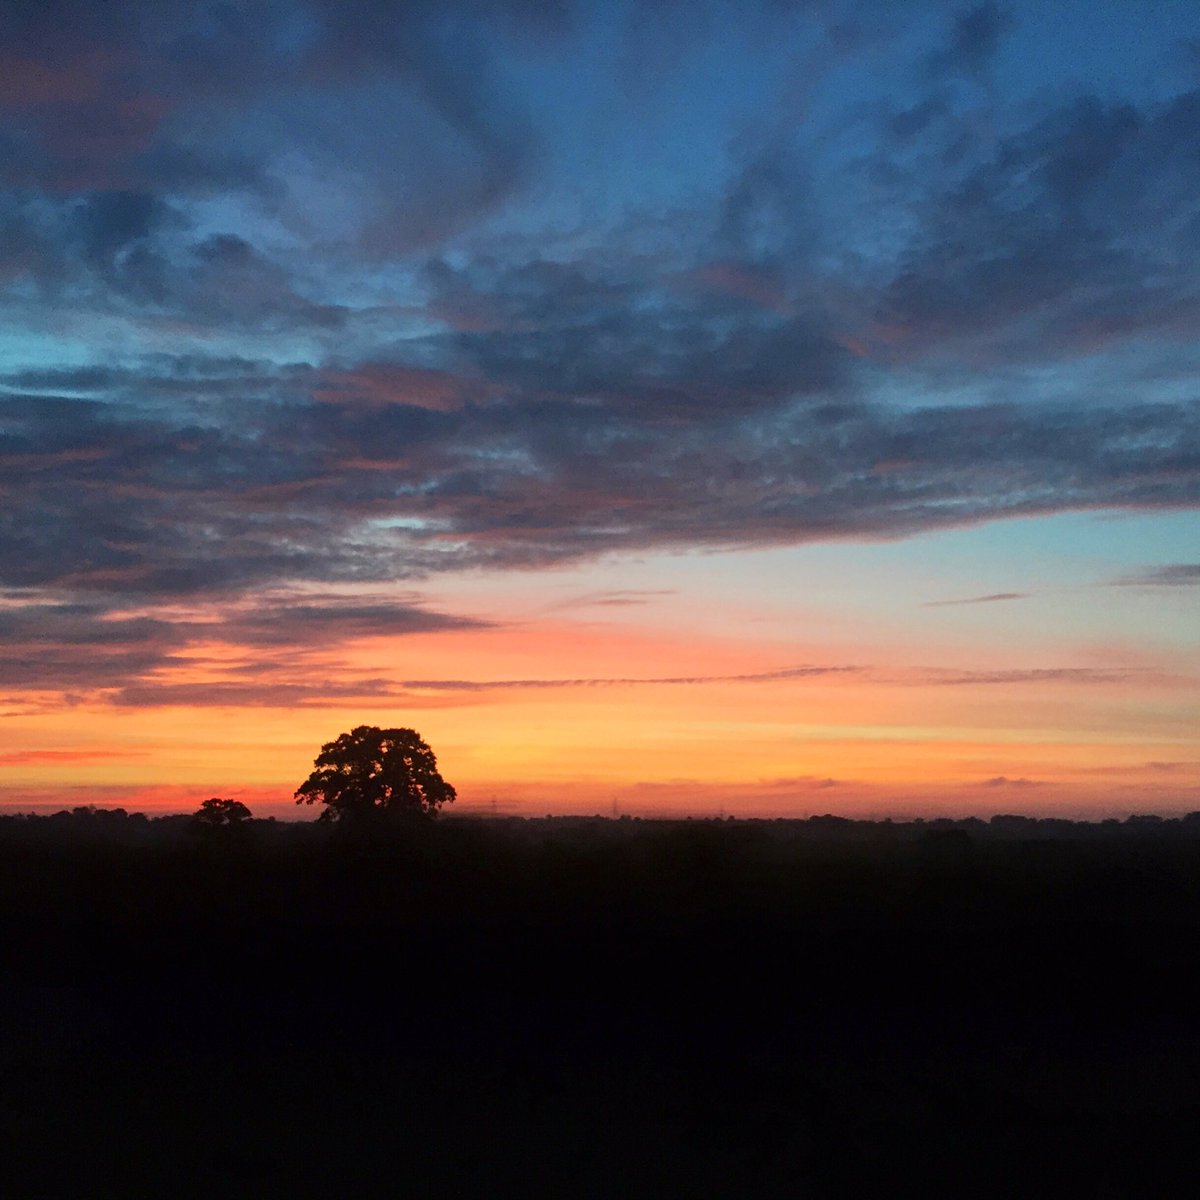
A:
x: 599, y: 1009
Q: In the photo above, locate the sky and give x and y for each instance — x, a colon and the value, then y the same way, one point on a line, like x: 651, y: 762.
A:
x: 762, y: 408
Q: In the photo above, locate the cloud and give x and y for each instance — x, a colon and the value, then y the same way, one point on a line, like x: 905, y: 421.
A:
x: 323, y: 306
x: 1002, y: 781
x: 1053, y: 243
x: 155, y: 95
x: 1170, y: 575
x: 802, y: 783
x: 316, y: 693
x: 974, y: 38
x: 945, y: 677
x: 625, y: 598
x: 682, y: 345
x: 908, y: 677
x: 993, y: 598
x: 1156, y: 767
x: 480, y: 685
x: 135, y: 255
x: 71, y: 647
x: 94, y: 648
x: 374, y: 384
x: 22, y: 758
x: 911, y: 122
x: 288, y: 649
x: 318, y: 619
x: 118, y: 499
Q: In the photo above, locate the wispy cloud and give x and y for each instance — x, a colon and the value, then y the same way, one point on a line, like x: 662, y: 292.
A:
x: 906, y: 677
x: 1170, y: 575
x: 817, y: 783
x: 295, y: 675
x: 989, y: 599
x: 623, y: 598
x: 476, y: 685
x: 21, y: 758
x: 948, y: 677
x: 268, y: 693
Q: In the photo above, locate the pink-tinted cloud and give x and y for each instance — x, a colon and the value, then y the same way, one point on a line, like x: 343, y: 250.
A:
x: 376, y: 384
x: 21, y: 758
x: 740, y: 280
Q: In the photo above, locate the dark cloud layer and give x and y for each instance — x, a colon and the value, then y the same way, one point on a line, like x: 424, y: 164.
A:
x: 326, y: 317
x: 115, y: 500
x: 1056, y: 243
x: 147, y: 94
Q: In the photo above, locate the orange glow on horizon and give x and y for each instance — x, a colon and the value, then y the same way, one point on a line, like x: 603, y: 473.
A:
x: 653, y: 698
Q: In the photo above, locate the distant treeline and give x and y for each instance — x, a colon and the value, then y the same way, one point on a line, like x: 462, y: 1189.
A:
x: 120, y: 825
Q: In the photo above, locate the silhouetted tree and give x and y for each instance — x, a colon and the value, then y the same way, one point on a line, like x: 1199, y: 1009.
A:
x: 371, y: 771
x: 222, y: 814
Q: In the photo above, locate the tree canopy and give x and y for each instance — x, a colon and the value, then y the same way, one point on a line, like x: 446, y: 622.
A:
x: 371, y: 771
x: 222, y: 814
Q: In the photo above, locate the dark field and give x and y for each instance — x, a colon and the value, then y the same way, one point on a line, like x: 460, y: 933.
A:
x: 599, y: 1009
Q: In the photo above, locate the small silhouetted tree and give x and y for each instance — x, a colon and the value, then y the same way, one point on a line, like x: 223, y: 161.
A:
x: 222, y: 814
x: 372, y: 772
